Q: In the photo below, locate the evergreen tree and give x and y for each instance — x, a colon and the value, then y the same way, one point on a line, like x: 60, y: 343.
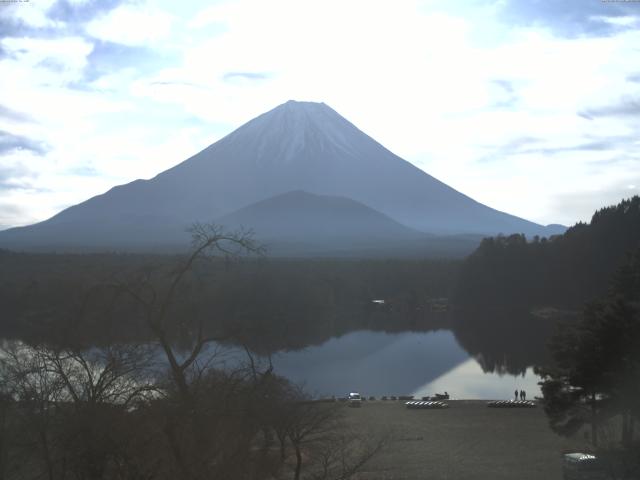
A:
x: 596, y: 371
x: 563, y: 271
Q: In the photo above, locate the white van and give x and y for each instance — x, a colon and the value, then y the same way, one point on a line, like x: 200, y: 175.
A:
x: 355, y: 400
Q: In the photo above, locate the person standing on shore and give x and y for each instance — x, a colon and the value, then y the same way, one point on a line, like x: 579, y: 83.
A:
x: 515, y: 393
x: 524, y: 395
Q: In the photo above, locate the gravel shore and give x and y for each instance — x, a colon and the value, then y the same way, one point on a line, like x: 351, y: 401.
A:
x: 465, y: 441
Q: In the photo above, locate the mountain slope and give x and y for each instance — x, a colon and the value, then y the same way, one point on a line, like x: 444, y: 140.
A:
x: 300, y: 222
x: 300, y: 215
x: 296, y: 146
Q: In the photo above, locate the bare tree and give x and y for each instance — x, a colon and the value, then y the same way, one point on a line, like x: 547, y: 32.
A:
x: 343, y: 454
x: 208, y: 241
x: 325, y: 448
x: 115, y: 374
x: 188, y: 422
x: 68, y: 406
x: 106, y: 412
x: 35, y: 398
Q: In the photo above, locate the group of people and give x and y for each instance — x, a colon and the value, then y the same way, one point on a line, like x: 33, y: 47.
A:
x: 522, y: 393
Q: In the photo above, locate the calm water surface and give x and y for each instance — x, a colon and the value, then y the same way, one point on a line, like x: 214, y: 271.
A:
x: 379, y: 363
x: 408, y: 363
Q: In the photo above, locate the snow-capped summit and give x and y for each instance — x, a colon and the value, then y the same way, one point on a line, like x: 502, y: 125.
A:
x: 296, y: 126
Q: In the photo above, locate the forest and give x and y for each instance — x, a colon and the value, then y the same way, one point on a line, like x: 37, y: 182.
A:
x: 512, y: 292
x: 583, y: 287
x: 563, y: 271
x: 272, y: 304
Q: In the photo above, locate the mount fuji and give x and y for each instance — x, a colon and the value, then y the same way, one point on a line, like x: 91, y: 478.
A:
x: 299, y: 161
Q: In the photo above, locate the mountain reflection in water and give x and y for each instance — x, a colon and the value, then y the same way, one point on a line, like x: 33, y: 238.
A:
x: 472, y: 354
x: 377, y: 363
x: 468, y: 380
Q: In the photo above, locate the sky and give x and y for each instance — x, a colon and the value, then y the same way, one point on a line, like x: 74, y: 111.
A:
x: 529, y: 106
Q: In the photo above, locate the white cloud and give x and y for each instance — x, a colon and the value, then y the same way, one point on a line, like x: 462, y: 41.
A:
x: 32, y: 14
x: 54, y: 62
x: 627, y: 21
x: 212, y: 15
x: 132, y: 24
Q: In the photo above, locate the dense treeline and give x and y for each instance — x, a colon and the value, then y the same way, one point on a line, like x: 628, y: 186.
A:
x: 267, y: 304
x: 511, y: 292
x: 563, y: 271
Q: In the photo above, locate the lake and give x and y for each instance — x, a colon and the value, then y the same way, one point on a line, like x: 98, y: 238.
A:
x: 407, y: 363
x: 377, y: 363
